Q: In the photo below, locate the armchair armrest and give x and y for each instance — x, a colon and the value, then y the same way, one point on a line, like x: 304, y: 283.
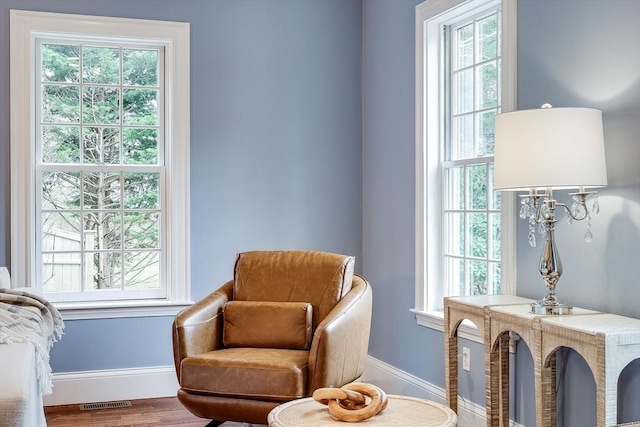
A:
x: 198, y: 329
x: 341, y: 341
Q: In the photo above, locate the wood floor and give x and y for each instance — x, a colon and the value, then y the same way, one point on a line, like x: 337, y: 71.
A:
x: 165, y: 412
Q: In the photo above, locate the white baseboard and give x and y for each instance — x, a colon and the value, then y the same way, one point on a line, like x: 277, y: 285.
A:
x: 146, y: 383
x: 395, y: 381
x: 114, y: 384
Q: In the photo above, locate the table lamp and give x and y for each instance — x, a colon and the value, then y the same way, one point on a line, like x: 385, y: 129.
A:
x: 548, y: 149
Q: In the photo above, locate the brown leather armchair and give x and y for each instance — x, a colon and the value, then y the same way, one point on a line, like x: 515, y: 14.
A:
x: 288, y: 323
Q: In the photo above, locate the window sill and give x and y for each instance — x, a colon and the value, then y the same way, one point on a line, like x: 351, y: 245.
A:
x: 118, y: 309
x: 435, y: 320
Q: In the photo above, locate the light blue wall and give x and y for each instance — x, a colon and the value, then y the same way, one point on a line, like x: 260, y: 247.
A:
x: 570, y: 53
x: 275, y: 146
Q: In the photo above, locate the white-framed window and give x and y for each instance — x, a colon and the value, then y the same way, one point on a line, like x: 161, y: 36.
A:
x: 100, y: 163
x: 465, y: 75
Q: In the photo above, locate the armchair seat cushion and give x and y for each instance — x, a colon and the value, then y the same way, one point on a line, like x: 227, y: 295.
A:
x: 277, y: 375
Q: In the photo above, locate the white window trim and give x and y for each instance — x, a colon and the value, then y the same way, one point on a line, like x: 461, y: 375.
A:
x: 428, y: 298
x: 25, y: 26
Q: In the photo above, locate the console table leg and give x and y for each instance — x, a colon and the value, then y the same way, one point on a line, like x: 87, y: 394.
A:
x: 550, y: 385
x: 493, y: 379
x: 545, y: 391
x: 504, y: 380
x: 451, y: 369
x: 606, y: 378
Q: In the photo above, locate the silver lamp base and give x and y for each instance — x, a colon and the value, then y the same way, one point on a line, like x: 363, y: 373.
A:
x: 539, y: 308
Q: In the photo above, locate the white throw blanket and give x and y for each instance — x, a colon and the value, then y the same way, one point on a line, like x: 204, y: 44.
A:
x: 25, y: 317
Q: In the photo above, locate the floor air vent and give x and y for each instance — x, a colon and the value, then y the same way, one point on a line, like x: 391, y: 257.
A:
x: 105, y: 405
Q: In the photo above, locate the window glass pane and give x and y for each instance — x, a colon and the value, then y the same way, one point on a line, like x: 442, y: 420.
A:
x: 61, y: 272
x: 487, y: 37
x: 498, y: 79
x: 140, y: 106
x: 495, y: 201
x: 60, y: 63
x: 462, y: 138
x: 477, y: 184
x: 140, y: 146
x: 103, y: 270
x: 478, y: 277
x: 455, y: 275
x: 101, y: 145
x: 141, y: 230
x: 101, y: 190
x: 487, y: 85
x: 455, y: 239
x: 495, y: 235
x: 61, y: 231
x: 486, y: 133
x: 101, y: 105
x: 60, y: 104
x: 478, y: 235
x: 60, y: 190
x: 60, y: 144
x: 100, y: 65
x: 140, y: 67
x: 141, y: 190
x: 142, y: 270
x: 465, y: 46
x: 495, y: 267
x: 454, y: 197
x: 102, y: 230
x: 464, y: 91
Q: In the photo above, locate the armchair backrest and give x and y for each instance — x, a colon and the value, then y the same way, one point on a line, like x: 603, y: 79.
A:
x: 319, y: 278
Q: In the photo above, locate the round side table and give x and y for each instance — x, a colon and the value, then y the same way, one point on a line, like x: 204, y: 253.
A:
x: 401, y: 411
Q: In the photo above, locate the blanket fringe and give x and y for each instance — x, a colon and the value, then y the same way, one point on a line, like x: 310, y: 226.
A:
x: 26, y: 317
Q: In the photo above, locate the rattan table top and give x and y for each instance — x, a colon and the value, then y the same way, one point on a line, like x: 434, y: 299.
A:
x: 401, y: 411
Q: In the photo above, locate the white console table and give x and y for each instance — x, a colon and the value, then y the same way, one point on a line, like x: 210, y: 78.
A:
x: 607, y: 342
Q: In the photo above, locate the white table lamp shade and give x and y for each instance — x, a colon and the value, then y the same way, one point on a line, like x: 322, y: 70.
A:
x: 557, y: 148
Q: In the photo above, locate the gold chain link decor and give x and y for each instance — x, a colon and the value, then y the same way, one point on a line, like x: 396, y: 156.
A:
x: 349, y: 403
